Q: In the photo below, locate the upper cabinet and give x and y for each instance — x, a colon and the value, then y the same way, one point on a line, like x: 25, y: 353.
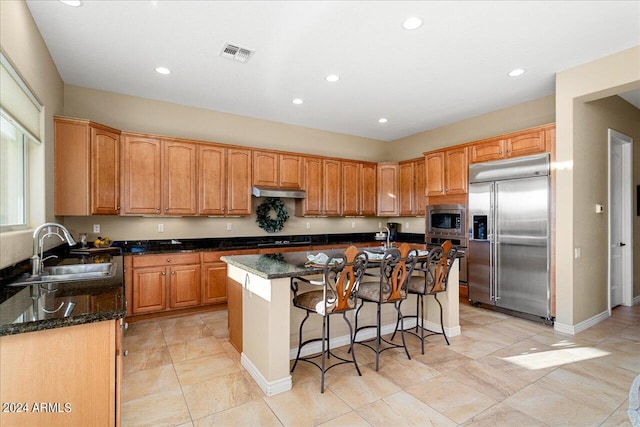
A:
x: 271, y: 169
x: 323, y: 185
x: 87, y: 168
x: 412, y: 188
x: 447, y: 172
x: 358, y: 189
x: 238, y: 181
x: 388, y: 189
x: 159, y: 176
x: 532, y: 141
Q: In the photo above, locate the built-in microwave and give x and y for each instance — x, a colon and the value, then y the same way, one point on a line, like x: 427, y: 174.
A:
x: 446, y: 220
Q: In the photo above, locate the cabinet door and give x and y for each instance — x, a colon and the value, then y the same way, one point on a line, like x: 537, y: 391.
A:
x: 234, y: 313
x: 71, y: 167
x: 419, y: 188
x: 214, y: 287
x: 388, y: 189
x: 149, y: 290
x: 368, y: 194
x: 405, y: 188
x: 239, y: 182
x: 486, y: 151
x: 332, y: 200
x: 265, y: 169
x: 105, y: 172
x: 456, y: 171
x: 212, y: 180
x: 526, y: 143
x: 179, y: 168
x: 290, y: 167
x: 142, y: 175
x: 435, y: 173
x: 184, y: 285
x: 350, y: 188
x: 312, y: 204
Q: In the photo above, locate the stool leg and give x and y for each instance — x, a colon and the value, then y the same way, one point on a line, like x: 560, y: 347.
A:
x: 378, y: 338
x: 353, y: 353
x: 324, y: 331
x: 441, y: 319
x: 404, y: 344
x: 299, y: 341
x: 421, y: 319
x: 396, y: 328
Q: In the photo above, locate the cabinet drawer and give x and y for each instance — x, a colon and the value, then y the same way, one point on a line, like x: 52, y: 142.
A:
x: 165, y: 259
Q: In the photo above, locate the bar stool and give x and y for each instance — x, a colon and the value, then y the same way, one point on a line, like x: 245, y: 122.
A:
x: 337, y: 294
x: 433, y: 278
x: 396, y: 267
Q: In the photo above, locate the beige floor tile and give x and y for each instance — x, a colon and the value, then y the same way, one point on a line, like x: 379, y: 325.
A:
x: 150, y: 381
x: 484, y: 317
x: 351, y: 419
x: 304, y: 405
x: 621, y: 343
x: 142, y: 328
x: 143, y: 341
x: 204, y: 368
x: 502, y: 415
x: 472, y: 348
x: 405, y: 373
x: 584, y: 388
x: 451, y: 398
x: 523, y: 359
x: 186, y: 333
x: 187, y: 424
x: 193, y: 349
x: 219, y: 327
x: 180, y: 321
x: 139, y: 360
x: 254, y: 413
x: 214, y: 315
x: 554, y: 409
x: 493, y: 334
x: 487, y: 380
x: 441, y: 358
x: 159, y: 409
x: 357, y: 391
x: 402, y: 409
x: 619, y: 417
x: 221, y: 393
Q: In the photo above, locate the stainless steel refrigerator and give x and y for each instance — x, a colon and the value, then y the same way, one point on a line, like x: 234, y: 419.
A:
x: 508, y: 253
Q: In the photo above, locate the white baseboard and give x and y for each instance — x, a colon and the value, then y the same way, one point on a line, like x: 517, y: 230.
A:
x: 343, y: 340
x: 563, y: 328
x: 269, y: 388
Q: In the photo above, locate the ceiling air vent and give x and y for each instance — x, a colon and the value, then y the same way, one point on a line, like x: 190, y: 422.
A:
x: 239, y: 54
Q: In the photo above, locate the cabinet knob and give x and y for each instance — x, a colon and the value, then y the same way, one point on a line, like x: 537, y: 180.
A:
x: 173, y: 272
x: 222, y: 209
x: 117, y: 208
x: 168, y: 259
x: 125, y: 353
x: 164, y: 274
x: 157, y: 208
x: 125, y: 326
x: 166, y: 209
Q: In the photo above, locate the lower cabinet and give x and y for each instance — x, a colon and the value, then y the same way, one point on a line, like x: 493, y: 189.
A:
x: 165, y: 282
x: 234, y: 313
x: 65, y: 376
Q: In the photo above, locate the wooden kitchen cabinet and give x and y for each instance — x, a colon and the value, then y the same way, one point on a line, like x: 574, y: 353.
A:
x: 156, y: 276
x: 358, y: 188
x: 411, y: 188
x: 322, y: 178
x: 214, y: 275
x: 159, y: 176
x: 75, y: 368
x: 234, y: 313
x: 447, y: 172
x: 388, y: 176
x: 530, y: 141
x: 224, y: 177
x: 86, y: 168
x: 271, y: 169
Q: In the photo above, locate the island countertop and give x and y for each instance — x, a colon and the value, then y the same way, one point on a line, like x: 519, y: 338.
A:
x: 276, y: 266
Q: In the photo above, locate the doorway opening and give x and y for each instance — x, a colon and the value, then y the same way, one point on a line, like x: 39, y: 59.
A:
x: 620, y: 241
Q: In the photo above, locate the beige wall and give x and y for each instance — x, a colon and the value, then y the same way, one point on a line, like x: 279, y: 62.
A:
x: 522, y: 116
x: 22, y: 44
x: 577, y: 157
x: 592, y: 121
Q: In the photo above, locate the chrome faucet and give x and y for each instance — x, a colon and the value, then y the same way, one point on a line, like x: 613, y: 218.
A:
x: 37, y: 263
x: 388, y: 238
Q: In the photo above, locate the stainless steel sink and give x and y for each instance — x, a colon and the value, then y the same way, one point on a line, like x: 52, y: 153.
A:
x: 69, y: 273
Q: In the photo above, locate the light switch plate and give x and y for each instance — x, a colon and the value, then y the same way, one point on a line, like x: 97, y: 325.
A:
x: 229, y: 227
x: 160, y: 228
x: 96, y: 228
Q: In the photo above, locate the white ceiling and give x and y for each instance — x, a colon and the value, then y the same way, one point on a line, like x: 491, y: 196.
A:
x: 453, y: 67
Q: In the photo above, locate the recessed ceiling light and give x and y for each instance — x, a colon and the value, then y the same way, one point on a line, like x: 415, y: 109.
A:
x: 412, y: 23
x: 72, y: 3
x: 332, y: 78
x: 517, y: 72
x: 297, y: 101
x: 382, y: 120
x: 163, y: 70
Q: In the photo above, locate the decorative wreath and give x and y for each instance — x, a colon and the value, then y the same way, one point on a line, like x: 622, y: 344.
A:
x: 264, y: 218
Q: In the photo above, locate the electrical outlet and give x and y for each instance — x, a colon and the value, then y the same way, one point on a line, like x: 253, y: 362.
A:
x: 308, y: 225
x: 577, y: 253
x: 229, y: 227
x: 406, y: 225
x: 353, y: 224
x: 379, y: 225
x: 160, y: 228
x: 96, y: 228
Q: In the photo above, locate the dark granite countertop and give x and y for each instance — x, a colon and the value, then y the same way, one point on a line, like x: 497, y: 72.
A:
x: 276, y: 266
x: 32, y: 308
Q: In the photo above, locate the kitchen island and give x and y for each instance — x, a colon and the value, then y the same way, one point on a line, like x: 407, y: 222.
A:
x: 270, y: 322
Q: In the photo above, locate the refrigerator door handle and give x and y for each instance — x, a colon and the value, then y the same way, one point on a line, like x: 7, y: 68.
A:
x: 491, y: 237
x: 496, y: 243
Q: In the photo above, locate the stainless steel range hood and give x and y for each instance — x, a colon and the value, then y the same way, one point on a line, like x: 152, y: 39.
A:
x: 291, y: 193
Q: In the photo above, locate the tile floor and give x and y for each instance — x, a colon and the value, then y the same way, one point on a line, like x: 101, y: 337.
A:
x: 502, y: 371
